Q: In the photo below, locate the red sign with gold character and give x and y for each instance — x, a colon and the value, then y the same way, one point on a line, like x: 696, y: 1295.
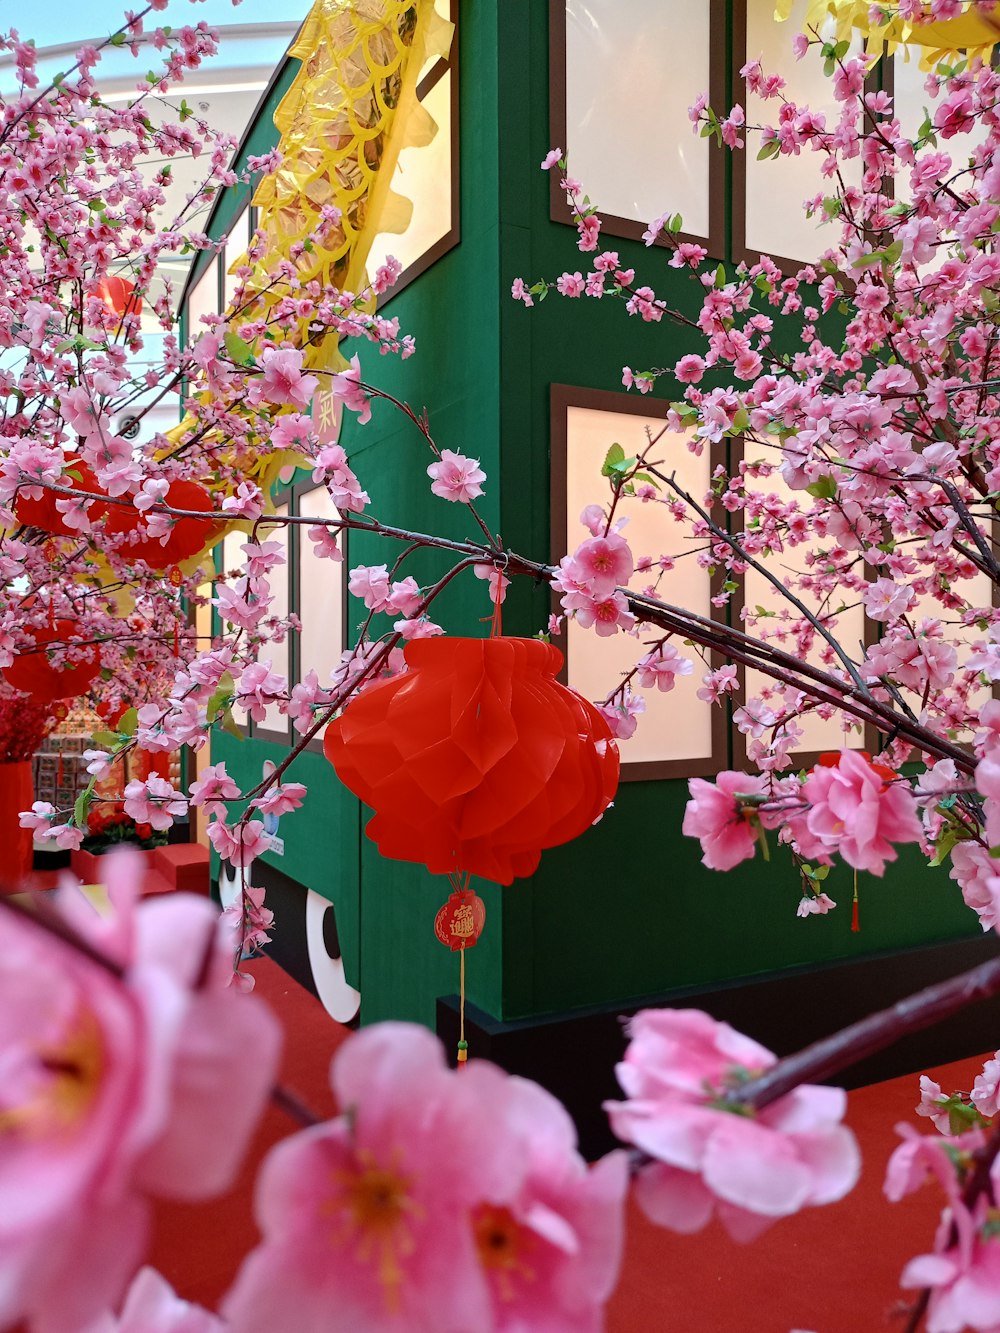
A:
x: 459, y: 923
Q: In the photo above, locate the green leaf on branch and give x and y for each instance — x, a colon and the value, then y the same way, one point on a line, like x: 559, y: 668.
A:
x: 229, y: 724
x: 222, y: 698
x: 823, y: 489
x: 81, y: 806
x: 770, y: 149
x: 612, y: 459
x: 128, y: 722
x: 239, y: 351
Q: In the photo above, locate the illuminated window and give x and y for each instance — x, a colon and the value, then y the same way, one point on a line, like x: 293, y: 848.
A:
x: 203, y: 299
x: 622, y: 79
x: 428, y: 176
x: 275, y: 724
x: 320, y: 602
x: 679, y: 734
x: 768, y: 196
x: 760, y: 595
x: 236, y: 246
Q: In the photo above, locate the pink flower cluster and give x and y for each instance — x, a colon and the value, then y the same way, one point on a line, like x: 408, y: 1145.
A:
x: 121, y: 1084
x: 683, y: 1077
x: 437, y: 1199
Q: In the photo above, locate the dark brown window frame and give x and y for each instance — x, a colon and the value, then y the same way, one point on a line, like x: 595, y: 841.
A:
x: 628, y: 228
x: 563, y: 397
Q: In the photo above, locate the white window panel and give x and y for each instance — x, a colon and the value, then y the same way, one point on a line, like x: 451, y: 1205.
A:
x: 232, y: 559
x: 203, y: 300
x: 849, y: 628
x: 777, y: 188
x: 277, y: 653
x: 235, y: 249
x: 676, y: 725
x: 321, y: 595
x: 616, y: 55
x: 423, y: 175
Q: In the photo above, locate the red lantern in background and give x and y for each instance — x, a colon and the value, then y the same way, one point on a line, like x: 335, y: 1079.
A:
x: 33, y: 673
x: 187, y: 536
x: 118, y: 294
x: 43, y: 513
x: 476, y: 758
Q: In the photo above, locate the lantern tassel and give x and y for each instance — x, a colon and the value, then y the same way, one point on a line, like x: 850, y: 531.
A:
x: 463, y: 1045
x: 855, y: 926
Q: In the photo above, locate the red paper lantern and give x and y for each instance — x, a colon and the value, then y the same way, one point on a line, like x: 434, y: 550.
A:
x: 476, y: 758
x: 33, y: 673
x: 43, y: 513
x: 187, y: 537
x: 118, y: 294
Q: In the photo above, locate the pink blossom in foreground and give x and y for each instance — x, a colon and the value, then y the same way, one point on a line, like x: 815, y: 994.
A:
x: 855, y: 813
x: 720, y: 821
x: 282, y: 380
x: 622, y: 714
x: 152, y: 1306
x: 116, y: 1090
x: 439, y: 1200
x: 456, y: 478
x: 709, y: 1154
x: 986, y: 1089
x: 213, y: 789
x: 978, y: 876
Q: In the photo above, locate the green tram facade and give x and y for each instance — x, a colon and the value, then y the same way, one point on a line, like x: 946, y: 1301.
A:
x: 627, y: 913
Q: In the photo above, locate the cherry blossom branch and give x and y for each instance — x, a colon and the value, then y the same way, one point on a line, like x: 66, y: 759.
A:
x: 852, y: 1044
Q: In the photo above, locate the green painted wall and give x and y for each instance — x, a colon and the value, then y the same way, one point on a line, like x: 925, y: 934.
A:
x: 627, y: 910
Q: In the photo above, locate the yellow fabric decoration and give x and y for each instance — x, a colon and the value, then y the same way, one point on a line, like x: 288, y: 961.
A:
x: 345, y: 119
x: 970, y: 34
x: 350, y: 111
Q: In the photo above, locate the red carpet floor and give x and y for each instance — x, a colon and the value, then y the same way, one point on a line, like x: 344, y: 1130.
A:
x: 829, y: 1270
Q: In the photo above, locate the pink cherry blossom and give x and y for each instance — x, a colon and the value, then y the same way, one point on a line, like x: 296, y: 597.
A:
x: 477, y: 1213
x: 152, y: 1306
x: 856, y: 813
x: 456, y: 477
x: 213, y: 789
x: 145, y: 1091
x: 282, y: 380
x: 371, y: 584
x: 153, y: 802
x: 347, y: 387
x: 661, y: 667
x: 239, y: 844
x: 681, y: 1073
x: 718, y: 818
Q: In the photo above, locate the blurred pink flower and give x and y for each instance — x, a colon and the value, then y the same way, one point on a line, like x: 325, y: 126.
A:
x: 116, y: 1089
x: 712, y: 1153
x: 152, y: 1306
x: 439, y: 1199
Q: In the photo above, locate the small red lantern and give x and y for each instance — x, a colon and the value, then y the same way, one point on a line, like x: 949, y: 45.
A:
x: 476, y: 758
x: 43, y: 513
x: 187, y: 536
x: 118, y: 294
x: 33, y: 673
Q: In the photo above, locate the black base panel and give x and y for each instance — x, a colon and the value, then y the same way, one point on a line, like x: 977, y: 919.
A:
x: 573, y: 1055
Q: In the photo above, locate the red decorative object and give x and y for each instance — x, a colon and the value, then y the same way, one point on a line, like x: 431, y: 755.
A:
x: 476, y: 758
x: 459, y: 923
x: 16, y: 794
x: 33, y: 673
x: 118, y: 294
x: 187, y: 536
x: 43, y: 513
